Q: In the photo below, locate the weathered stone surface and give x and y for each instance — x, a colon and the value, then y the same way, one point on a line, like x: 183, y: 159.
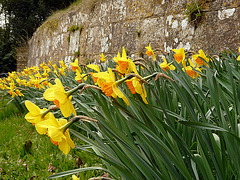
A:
x: 108, y: 25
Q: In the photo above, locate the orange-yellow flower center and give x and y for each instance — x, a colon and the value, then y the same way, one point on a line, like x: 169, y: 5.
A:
x: 191, y: 73
x: 166, y: 68
x: 54, y: 142
x: 123, y: 65
x: 199, y: 61
x: 94, y: 78
x: 10, y: 92
x: 178, y: 57
x: 56, y: 102
x: 149, y: 53
x: 107, y: 88
x: 131, y: 87
x: 74, y: 68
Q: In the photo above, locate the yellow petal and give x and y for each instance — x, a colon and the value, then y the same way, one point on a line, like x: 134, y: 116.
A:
x: 67, y: 108
x: 60, y: 96
x: 35, y: 110
x: 40, y: 129
x: 56, y: 134
x: 49, y: 94
x: 64, y: 147
x: 31, y: 118
x: 94, y: 67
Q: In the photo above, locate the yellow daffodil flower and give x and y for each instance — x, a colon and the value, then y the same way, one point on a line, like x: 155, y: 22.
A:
x: 108, y: 85
x: 189, y: 69
x: 62, y: 71
x: 238, y: 58
x: 75, y: 66
x: 75, y: 177
x: 136, y: 86
x: 166, y: 65
x: 150, y: 52
x: 58, y: 133
x: 79, y: 76
x: 62, y: 64
x: 36, y: 115
x: 125, y: 65
x: 198, y: 60
x: 57, y: 94
x: 180, y: 55
x: 103, y: 59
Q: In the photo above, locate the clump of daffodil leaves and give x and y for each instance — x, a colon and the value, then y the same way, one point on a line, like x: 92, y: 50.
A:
x: 165, y: 116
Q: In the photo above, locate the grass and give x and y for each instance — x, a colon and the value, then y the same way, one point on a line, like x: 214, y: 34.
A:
x: 25, y: 154
x: 83, y: 5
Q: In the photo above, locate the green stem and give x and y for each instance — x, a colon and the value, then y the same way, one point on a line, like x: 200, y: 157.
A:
x: 70, y: 92
x: 45, y: 113
x: 67, y: 125
x: 150, y: 76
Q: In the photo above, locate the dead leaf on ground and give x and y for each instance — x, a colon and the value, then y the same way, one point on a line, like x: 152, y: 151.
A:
x: 51, y: 168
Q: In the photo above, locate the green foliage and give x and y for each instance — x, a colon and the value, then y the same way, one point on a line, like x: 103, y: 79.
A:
x: 25, y: 154
x: 76, y: 53
x: 194, y: 12
x: 188, y: 130
x: 7, y: 57
x: 73, y: 28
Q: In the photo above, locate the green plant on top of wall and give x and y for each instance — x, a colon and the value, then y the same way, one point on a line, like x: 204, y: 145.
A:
x: 193, y: 12
x: 73, y: 28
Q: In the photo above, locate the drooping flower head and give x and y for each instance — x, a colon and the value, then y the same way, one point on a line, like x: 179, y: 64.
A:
x: 180, y: 55
x: 150, y: 52
x: 75, y: 66
x: 136, y: 86
x: 165, y: 65
x: 106, y: 80
x: 125, y: 65
x: 58, y: 133
x: 103, y: 59
x: 36, y: 115
x: 80, y: 76
x: 57, y: 94
x: 197, y: 58
x: 190, y: 70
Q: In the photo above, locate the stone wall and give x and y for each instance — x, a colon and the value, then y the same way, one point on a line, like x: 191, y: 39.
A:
x: 108, y: 25
x: 22, y: 57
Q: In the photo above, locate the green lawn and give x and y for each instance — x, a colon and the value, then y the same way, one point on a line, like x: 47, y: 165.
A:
x: 25, y: 154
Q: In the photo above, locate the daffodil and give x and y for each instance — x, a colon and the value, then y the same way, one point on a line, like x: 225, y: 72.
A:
x: 102, y: 57
x: 36, y: 115
x: 180, y: 55
x: 94, y: 67
x: 238, y: 58
x: 80, y: 76
x: 75, y: 66
x: 125, y: 65
x: 136, y: 86
x: 62, y: 64
x: 165, y: 65
x: 197, y: 58
x: 61, y: 99
x: 75, y: 177
x: 150, y: 52
x: 190, y: 71
x: 109, y: 86
x: 59, y: 133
